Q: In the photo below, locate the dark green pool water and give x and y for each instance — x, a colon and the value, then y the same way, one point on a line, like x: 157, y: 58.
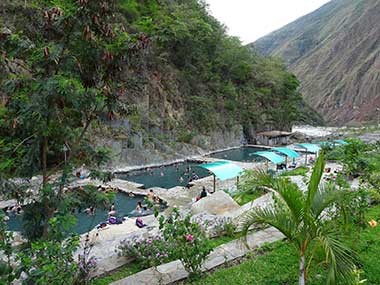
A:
x: 124, y: 205
x: 243, y: 154
x: 165, y: 176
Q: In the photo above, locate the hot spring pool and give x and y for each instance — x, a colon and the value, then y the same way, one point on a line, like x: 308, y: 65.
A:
x: 243, y: 154
x: 164, y: 176
x: 123, y: 203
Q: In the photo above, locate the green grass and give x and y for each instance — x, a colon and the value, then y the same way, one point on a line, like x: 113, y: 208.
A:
x: 298, y: 171
x: 278, y: 263
x: 246, y: 197
x: 121, y: 273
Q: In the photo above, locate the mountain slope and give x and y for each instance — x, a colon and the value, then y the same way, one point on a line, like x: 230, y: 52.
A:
x: 169, y: 81
x: 335, y: 52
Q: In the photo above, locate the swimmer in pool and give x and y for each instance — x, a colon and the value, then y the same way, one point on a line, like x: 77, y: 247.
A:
x: 90, y: 211
x: 139, y: 206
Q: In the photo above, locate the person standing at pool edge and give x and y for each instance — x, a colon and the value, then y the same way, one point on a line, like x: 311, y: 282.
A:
x: 150, y: 195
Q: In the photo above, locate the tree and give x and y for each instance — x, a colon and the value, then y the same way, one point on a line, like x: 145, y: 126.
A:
x: 78, y: 52
x: 300, y: 217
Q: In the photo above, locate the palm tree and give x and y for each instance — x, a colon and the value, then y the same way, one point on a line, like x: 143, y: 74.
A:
x: 300, y: 217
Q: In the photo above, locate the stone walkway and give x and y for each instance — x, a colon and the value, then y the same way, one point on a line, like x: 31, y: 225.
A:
x: 174, y: 271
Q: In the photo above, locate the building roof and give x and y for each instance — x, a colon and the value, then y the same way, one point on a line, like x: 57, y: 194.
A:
x: 223, y: 169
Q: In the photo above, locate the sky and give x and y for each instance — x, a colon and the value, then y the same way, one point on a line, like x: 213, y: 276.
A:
x: 252, y: 19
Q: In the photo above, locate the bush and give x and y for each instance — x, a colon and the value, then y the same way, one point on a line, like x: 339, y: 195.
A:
x: 188, y: 242
x: 215, y: 226
x: 180, y: 238
x: 150, y: 251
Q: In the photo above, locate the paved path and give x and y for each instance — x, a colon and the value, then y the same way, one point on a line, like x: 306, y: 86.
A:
x: 174, y: 271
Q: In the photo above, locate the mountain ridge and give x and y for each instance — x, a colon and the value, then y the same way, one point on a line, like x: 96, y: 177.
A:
x: 335, y: 53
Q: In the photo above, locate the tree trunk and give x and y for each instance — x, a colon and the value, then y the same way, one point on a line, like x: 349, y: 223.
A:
x: 79, y: 139
x: 302, y: 279
x: 44, y: 161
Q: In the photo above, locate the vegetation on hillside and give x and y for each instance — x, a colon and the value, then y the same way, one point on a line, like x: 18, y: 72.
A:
x: 85, y: 64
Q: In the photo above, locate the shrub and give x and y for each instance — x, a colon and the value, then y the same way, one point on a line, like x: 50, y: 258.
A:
x: 215, y: 226
x: 149, y: 251
x: 180, y: 238
x: 188, y: 242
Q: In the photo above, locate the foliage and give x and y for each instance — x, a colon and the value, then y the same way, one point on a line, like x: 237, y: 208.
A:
x: 50, y: 262
x: 7, y: 272
x: 120, y: 273
x: 86, y: 262
x: 223, y: 82
x: 303, y: 170
x: 353, y: 156
x: 215, y: 226
x: 179, y: 238
x: 249, y: 187
x: 279, y: 257
x: 352, y: 207
x: 35, y: 215
x: 147, y: 252
x: 187, y: 241
x: 299, y: 216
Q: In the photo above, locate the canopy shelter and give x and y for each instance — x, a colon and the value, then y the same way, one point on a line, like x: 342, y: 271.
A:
x: 341, y: 142
x: 313, y: 148
x: 223, y: 170
x: 287, y: 152
x: 270, y: 156
x: 325, y: 143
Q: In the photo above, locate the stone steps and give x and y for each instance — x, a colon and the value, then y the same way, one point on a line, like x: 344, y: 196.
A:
x: 174, y: 271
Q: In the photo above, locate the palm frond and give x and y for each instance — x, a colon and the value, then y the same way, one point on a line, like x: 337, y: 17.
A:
x: 339, y: 258
x: 276, y: 218
x: 315, y: 179
x: 325, y: 197
x: 291, y: 196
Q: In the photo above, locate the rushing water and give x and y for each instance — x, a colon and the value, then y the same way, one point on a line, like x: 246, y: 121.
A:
x: 243, y: 154
x: 165, y: 176
x: 124, y: 206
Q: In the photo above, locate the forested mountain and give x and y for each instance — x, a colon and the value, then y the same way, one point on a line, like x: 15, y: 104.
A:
x: 133, y: 75
x: 335, y: 52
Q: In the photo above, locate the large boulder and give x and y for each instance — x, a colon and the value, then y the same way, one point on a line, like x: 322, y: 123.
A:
x: 215, y: 204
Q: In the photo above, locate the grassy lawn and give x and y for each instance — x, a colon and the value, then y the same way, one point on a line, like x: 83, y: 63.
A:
x: 121, y: 273
x: 302, y: 170
x: 279, y: 264
x: 246, y: 197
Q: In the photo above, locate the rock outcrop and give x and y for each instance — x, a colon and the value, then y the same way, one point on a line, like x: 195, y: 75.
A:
x: 215, y: 204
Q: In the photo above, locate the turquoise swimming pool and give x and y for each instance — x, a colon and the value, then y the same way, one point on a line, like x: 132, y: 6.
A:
x: 242, y: 154
x: 124, y: 206
x: 167, y: 176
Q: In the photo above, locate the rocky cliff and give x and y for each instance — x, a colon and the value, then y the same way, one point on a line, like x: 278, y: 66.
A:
x: 335, y: 52
x: 186, y: 86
